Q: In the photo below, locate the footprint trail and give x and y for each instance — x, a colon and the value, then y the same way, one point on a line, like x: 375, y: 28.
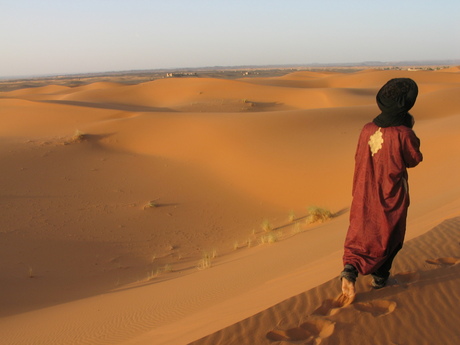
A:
x: 449, y: 261
x: 333, y: 306
x: 377, y: 307
x: 311, y: 331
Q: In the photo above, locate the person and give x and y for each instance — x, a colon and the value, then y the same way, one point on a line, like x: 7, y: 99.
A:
x: 387, y: 146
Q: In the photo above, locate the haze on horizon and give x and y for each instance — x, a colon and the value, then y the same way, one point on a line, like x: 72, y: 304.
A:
x: 67, y: 37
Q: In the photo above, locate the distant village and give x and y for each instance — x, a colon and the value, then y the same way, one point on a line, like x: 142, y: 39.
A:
x: 192, y: 74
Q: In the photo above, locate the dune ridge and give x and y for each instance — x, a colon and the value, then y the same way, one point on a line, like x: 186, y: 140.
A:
x: 113, y: 193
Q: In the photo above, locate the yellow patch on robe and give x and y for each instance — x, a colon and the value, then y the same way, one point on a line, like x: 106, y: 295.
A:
x: 376, y: 141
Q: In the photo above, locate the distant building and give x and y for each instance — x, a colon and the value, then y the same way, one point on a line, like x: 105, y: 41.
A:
x: 178, y: 75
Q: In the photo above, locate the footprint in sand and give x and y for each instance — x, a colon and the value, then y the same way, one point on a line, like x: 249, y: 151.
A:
x: 310, y: 331
x: 406, y: 277
x: 321, y: 328
x: 293, y: 334
x: 333, y: 306
x: 450, y: 261
x: 376, y: 308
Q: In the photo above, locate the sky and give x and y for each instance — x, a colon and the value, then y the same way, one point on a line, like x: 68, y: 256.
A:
x: 49, y: 37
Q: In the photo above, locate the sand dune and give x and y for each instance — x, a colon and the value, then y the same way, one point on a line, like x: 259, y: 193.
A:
x: 451, y: 69
x: 112, y: 194
x: 397, y: 314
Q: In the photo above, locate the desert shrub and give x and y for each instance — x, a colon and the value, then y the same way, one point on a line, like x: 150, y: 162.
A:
x: 206, y: 260
x: 78, y: 136
x: 266, y: 226
x: 318, y: 214
x: 152, y: 204
x: 156, y: 272
x: 297, y: 228
x: 269, y: 238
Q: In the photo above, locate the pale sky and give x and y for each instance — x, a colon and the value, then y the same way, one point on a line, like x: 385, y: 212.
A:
x: 39, y: 37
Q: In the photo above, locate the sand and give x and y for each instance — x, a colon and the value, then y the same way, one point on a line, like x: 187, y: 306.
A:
x: 116, y: 198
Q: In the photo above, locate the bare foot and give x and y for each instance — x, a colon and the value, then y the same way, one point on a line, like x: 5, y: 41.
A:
x: 348, y: 289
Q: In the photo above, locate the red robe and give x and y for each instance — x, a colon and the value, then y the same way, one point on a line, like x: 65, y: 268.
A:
x: 380, y: 195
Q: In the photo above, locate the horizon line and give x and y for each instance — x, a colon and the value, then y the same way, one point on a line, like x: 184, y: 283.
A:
x: 406, y: 63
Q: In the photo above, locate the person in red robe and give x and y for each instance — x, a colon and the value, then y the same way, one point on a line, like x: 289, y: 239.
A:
x: 387, y: 146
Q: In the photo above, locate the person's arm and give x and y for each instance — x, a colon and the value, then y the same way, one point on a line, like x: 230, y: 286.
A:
x: 411, y: 149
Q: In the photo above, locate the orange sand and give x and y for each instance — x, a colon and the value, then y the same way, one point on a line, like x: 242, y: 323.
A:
x: 102, y: 235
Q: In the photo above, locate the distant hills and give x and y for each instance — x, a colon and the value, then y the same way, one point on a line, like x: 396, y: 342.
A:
x: 364, y: 64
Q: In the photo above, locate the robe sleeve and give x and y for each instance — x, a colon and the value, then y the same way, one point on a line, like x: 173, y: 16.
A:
x: 411, y: 149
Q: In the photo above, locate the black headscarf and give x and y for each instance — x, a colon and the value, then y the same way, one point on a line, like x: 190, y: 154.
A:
x: 395, y: 99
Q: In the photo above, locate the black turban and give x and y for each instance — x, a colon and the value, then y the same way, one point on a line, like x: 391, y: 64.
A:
x: 395, y: 99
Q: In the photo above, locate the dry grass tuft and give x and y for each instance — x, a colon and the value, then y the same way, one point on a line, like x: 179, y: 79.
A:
x: 206, y: 260
x: 153, y: 274
x: 269, y: 238
x: 318, y: 214
x: 167, y: 268
x: 297, y: 228
x: 151, y: 204
x: 78, y: 136
x: 266, y: 226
